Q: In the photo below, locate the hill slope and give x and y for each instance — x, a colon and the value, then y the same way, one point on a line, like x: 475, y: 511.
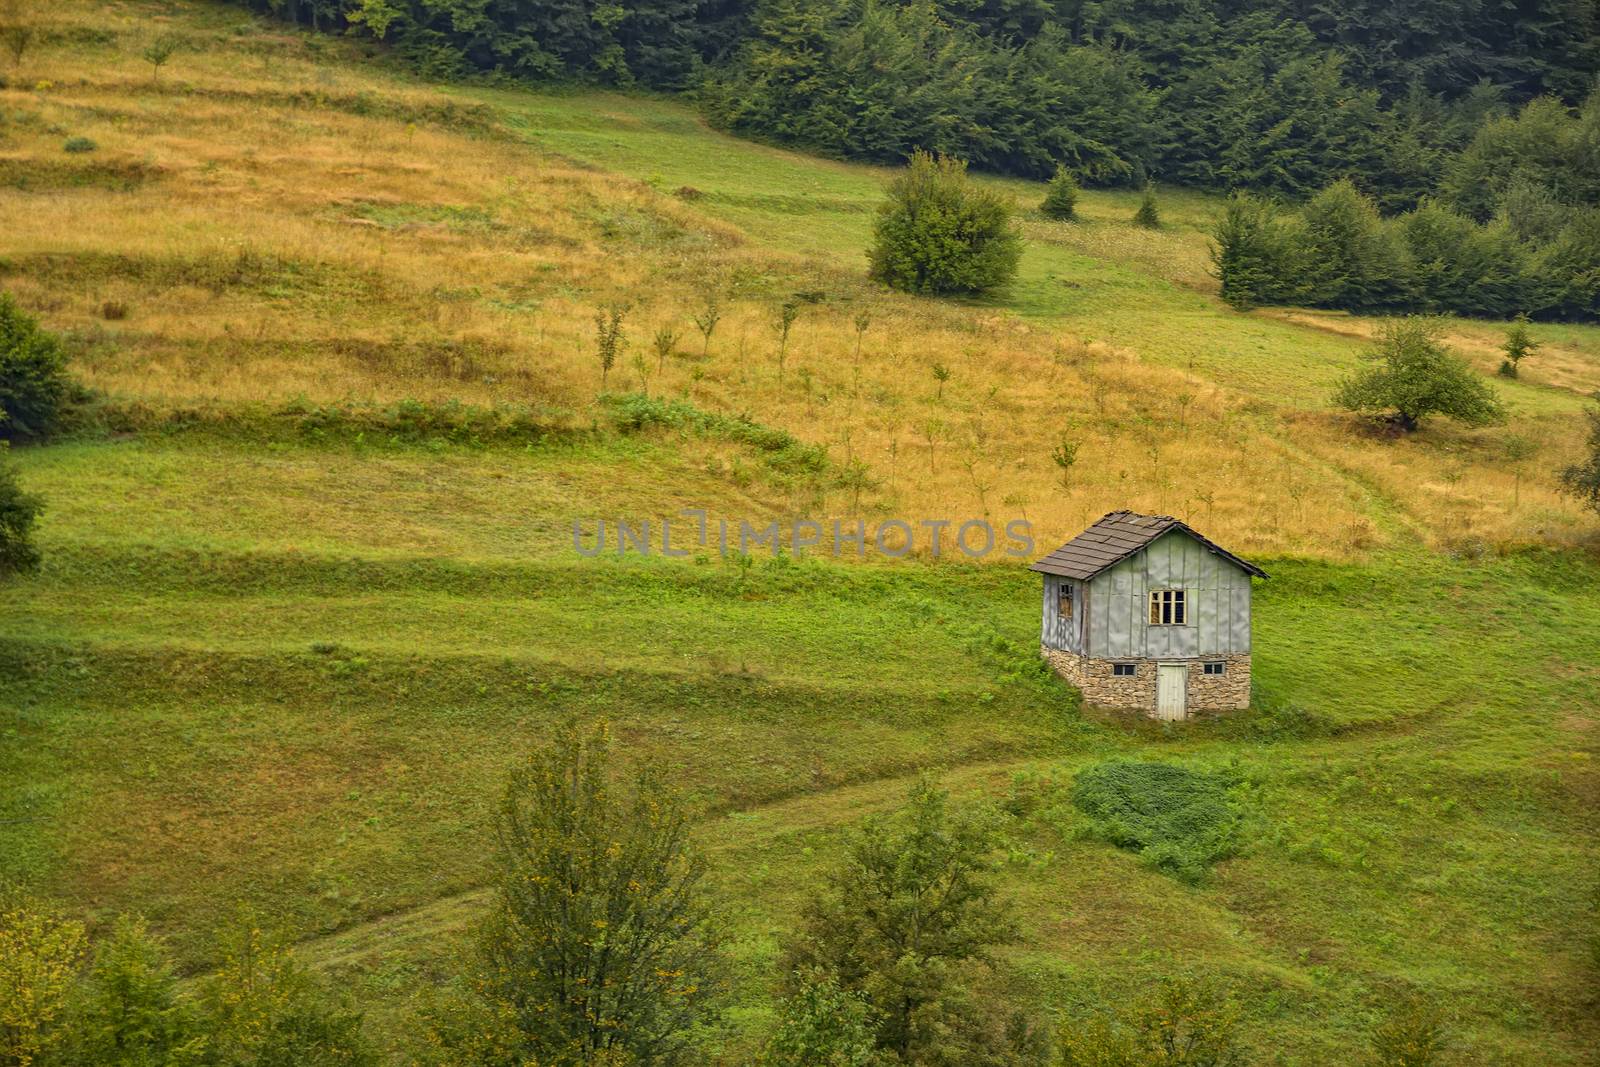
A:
x: 293, y: 629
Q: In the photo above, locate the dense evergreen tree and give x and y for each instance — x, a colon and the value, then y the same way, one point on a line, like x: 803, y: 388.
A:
x: 1255, y: 256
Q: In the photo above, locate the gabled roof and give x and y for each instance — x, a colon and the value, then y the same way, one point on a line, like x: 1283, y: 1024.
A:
x: 1116, y: 537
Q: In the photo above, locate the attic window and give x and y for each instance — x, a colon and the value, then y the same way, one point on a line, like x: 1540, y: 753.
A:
x: 1064, y: 602
x: 1167, y: 608
x: 1215, y: 667
x: 1122, y: 670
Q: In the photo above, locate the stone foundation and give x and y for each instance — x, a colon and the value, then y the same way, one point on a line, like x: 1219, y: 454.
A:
x: 1207, y: 692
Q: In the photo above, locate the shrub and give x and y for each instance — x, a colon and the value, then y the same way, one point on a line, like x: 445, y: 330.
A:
x: 1253, y: 254
x: 1148, y: 215
x: 18, y: 513
x: 262, y: 1007
x: 1061, y: 197
x: 940, y: 233
x: 823, y: 1026
x: 33, y: 377
x: 1185, y: 1023
x: 1414, y: 375
x: 39, y: 956
x: 127, y: 1011
x: 599, y: 942
x: 1582, y: 479
x: 1411, y: 1036
x: 872, y: 930
x: 113, y: 310
x: 1179, y: 820
x: 79, y: 144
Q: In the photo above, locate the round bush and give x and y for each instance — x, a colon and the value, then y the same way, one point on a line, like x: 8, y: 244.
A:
x: 79, y: 144
x: 33, y: 375
x: 939, y: 233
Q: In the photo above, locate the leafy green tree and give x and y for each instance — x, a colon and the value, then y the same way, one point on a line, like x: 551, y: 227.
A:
x: 34, y: 386
x: 1148, y: 215
x: 262, y: 1008
x: 1582, y: 479
x: 39, y: 959
x: 938, y: 232
x: 1413, y: 375
x: 1253, y: 254
x: 19, y: 511
x: 822, y: 1026
x: 1183, y: 1023
x: 599, y: 946
x: 127, y: 1012
x: 903, y: 921
x: 1061, y: 197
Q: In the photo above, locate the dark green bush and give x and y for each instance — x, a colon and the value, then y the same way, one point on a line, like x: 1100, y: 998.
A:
x: 18, y: 513
x: 1061, y: 197
x: 79, y: 144
x: 940, y: 233
x: 1179, y: 820
x: 34, y: 386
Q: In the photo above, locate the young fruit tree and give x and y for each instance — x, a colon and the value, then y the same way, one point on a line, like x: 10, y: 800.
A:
x: 1413, y: 375
x: 941, y: 233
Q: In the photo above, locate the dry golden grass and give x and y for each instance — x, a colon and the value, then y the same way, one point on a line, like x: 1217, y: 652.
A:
x: 278, y: 223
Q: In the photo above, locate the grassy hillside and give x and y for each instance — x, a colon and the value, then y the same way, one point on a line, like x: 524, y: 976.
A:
x: 287, y: 640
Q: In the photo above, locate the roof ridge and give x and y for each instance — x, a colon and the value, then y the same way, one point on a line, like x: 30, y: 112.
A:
x: 1117, y: 535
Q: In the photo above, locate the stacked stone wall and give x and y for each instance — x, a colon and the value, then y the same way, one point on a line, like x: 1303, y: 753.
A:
x: 1093, y: 678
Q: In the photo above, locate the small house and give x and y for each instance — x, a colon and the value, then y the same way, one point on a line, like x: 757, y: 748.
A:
x: 1143, y: 613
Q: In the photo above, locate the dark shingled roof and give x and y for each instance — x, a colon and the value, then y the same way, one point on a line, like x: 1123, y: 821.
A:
x: 1118, y: 536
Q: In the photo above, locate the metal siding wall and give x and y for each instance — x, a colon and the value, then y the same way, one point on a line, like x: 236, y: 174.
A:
x: 1239, y: 616
x: 1218, y: 595
x: 1049, y: 637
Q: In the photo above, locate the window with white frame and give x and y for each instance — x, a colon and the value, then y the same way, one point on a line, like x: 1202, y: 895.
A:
x: 1216, y: 667
x: 1123, y: 670
x: 1167, y: 608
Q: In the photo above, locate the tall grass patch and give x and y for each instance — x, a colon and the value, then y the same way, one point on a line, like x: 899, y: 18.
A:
x: 1179, y: 820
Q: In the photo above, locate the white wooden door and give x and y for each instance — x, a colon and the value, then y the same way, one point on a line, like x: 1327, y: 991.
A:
x: 1172, y: 684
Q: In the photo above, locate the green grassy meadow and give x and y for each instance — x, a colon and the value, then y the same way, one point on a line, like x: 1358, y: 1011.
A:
x: 292, y: 672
